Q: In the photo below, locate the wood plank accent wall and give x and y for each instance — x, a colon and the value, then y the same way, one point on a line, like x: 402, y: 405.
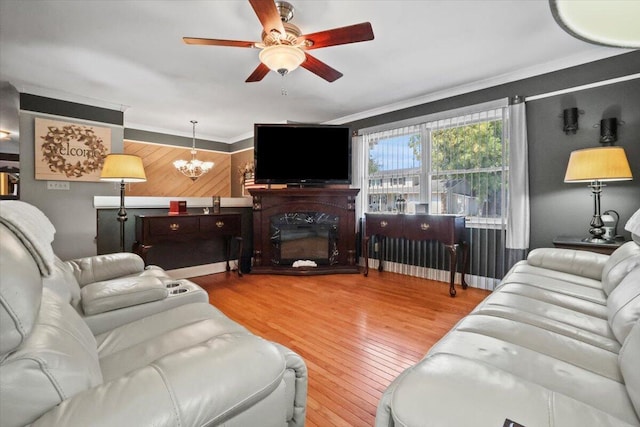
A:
x: 163, y: 180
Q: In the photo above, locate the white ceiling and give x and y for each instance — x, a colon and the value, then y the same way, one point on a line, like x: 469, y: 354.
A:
x: 129, y: 55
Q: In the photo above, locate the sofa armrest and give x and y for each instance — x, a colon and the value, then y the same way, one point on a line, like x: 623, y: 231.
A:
x: 580, y: 263
x: 296, y: 379
x: 100, y: 297
x: 207, y: 384
x: 105, y: 267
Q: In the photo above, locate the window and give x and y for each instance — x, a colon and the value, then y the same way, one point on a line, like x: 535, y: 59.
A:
x: 448, y: 163
x: 455, y: 165
x: 468, y: 161
x: 394, y: 166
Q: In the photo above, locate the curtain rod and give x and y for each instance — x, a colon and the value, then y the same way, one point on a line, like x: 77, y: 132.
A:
x: 583, y: 87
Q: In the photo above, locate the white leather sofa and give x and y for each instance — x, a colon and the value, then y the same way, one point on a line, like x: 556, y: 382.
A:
x: 187, y: 365
x: 556, y: 344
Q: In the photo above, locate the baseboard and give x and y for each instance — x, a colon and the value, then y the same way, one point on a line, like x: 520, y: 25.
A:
x: 201, y: 270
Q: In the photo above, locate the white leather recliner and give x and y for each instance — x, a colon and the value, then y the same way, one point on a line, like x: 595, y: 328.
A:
x: 188, y: 365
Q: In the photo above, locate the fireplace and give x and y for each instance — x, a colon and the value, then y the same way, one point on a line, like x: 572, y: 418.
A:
x: 300, y: 224
x: 304, y: 236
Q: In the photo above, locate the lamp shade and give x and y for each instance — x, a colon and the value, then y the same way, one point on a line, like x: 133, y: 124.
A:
x: 282, y: 57
x: 605, y: 22
x: 598, y: 164
x: 123, y: 167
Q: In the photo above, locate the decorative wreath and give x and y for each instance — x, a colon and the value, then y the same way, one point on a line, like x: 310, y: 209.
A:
x: 57, y: 139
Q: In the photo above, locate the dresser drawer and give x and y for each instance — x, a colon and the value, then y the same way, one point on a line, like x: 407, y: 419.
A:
x: 225, y: 225
x: 430, y: 227
x: 387, y: 225
x: 176, y: 225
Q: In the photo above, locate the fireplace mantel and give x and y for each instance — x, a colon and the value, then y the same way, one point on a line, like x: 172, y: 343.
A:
x: 270, y: 205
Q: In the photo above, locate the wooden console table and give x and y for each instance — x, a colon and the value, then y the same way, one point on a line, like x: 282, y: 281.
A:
x: 154, y: 229
x: 447, y: 229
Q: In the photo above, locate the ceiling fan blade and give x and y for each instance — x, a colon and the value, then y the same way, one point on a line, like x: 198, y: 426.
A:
x: 217, y: 42
x: 268, y: 15
x: 321, y: 69
x: 258, y: 74
x: 343, y: 35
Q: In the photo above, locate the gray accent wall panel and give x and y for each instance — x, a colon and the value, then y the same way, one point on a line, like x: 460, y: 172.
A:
x: 566, y: 209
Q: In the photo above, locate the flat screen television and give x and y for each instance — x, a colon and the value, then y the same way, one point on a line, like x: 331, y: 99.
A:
x: 297, y: 154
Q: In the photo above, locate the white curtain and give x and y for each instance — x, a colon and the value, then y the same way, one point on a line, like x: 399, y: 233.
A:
x: 359, y: 173
x: 518, y: 222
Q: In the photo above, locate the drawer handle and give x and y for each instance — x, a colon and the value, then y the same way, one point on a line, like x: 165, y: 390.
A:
x: 174, y: 226
x: 424, y: 226
x: 219, y: 224
x: 383, y: 224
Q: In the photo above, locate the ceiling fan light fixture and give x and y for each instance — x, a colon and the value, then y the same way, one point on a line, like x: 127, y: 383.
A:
x: 282, y: 58
x: 604, y: 22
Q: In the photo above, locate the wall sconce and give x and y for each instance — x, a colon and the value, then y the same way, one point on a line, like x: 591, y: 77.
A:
x: 570, y: 117
x: 608, y: 130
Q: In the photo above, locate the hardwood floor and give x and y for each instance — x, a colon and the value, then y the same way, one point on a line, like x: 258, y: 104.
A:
x: 355, y: 334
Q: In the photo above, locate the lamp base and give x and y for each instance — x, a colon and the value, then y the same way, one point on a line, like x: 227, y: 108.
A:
x: 597, y: 240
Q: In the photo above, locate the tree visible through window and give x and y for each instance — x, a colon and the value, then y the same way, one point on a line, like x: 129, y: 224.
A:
x: 466, y: 169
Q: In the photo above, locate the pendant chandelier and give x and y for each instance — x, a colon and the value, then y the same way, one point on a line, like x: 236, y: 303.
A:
x: 194, y: 168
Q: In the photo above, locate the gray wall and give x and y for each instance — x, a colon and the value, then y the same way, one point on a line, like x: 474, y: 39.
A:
x: 71, y: 211
x: 566, y: 209
x: 9, y: 106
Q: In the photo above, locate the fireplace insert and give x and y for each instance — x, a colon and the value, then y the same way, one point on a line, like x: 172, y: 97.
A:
x: 304, y: 236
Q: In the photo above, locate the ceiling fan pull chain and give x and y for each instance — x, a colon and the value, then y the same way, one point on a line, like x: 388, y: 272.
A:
x: 283, y: 89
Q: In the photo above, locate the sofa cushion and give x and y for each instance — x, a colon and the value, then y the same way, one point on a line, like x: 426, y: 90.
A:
x: 139, y: 343
x: 589, y: 329
x: 580, y: 263
x: 56, y: 361
x: 560, y: 286
x: 113, y: 294
x: 620, y: 263
x: 624, y: 305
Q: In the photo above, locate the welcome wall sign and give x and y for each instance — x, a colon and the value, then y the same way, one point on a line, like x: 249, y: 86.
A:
x: 70, y: 151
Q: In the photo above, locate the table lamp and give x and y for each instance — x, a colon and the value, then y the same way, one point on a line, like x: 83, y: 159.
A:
x: 596, y: 166
x: 122, y: 168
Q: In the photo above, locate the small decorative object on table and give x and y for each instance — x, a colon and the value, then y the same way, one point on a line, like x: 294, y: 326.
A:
x: 177, y: 207
x: 216, y: 204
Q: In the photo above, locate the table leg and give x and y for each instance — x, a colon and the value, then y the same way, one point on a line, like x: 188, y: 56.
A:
x: 365, y: 252
x: 239, y: 239
x: 382, y: 241
x: 465, y: 263
x: 141, y: 250
x: 227, y: 247
x: 453, y: 262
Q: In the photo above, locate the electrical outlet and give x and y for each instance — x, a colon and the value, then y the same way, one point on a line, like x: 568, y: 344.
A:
x: 57, y: 185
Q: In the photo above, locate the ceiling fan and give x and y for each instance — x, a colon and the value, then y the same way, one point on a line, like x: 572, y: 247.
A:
x: 284, y: 47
